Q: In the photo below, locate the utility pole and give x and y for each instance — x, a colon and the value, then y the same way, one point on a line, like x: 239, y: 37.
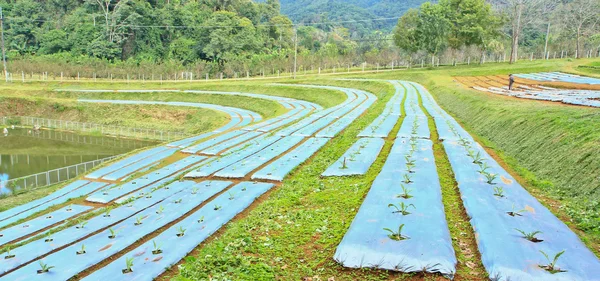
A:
x: 546, y: 46
x: 3, y: 51
x: 295, y: 50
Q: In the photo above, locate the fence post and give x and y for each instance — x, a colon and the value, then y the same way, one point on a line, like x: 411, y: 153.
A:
x: 23, y: 76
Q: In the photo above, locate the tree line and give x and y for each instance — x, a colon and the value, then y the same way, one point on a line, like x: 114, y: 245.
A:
x: 499, y: 26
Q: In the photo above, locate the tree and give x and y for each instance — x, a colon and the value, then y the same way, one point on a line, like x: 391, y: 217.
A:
x: 522, y: 13
x: 405, y: 34
x: 581, y: 18
x: 433, y: 29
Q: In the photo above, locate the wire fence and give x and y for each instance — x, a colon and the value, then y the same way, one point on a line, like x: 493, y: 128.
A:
x: 50, y: 177
x: 138, y: 133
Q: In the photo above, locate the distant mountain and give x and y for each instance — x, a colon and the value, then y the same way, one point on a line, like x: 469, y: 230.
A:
x: 349, y: 10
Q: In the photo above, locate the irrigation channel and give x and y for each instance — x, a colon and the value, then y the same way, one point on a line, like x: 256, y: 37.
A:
x: 171, y: 198
x: 33, y: 158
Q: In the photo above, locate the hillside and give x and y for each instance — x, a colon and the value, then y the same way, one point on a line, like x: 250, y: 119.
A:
x: 349, y: 10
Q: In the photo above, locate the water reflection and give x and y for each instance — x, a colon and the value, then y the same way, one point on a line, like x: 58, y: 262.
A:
x: 25, y: 151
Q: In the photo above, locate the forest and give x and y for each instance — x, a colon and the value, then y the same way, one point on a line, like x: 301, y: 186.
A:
x: 245, y: 36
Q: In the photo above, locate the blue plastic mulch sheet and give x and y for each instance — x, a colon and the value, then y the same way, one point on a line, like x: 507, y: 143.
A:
x: 560, y: 77
x: 224, y: 146
x: 358, y: 159
x: 426, y: 244
x: 32, y: 226
x: 247, y: 165
x: 73, y: 190
x: 184, y: 143
x: 109, y: 194
x: 125, y: 162
x: 414, y: 126
x: 28, y: 252
x: 67, y: 263
x: 232, y: 156
x: 497, y: 206
x: 383, y: 125
x: 138, y: 166
x: 281, y: 167
x: 198, y: 227
x: 285, y: 122
x: 213, y: 141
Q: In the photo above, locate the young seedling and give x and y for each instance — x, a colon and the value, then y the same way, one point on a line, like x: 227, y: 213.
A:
x: 201, y: 219
x: 551, y: 266
x: 81, y: 224
x: 44, y: 268
x: 160, y: 210
x: 82, y: 251
x: 531, y: 235
x: 499, y: 191
x: 483, y: 168
x: 405, y: 192
x: 70, y: 208
x: 113, y: 233
x: 217, y: 207
x: 107, y: 213
x: 138, y: 220
x: 9, y: 255
x: 407, y: 179
x: 194, y: 190
x: 178, y: 201
x: 157, y: 249
x: 397, y: 236
x: 231, y: 195
x: 128, y: 266
x: 515, y: 213
x: 489, y: 178
x: 180, y: 231
x: 344, y: 165
x: 477, y: 159
x: 401, y: 208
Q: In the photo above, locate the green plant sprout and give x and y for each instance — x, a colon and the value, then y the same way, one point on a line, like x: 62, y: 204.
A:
x: 128, y: 265
x: 157, y: 249
x: 194, y: 190
x: 178, y: 201
x: 44, y: 267
x: 231, y: 195
x: 483, y: 167
x: 201, y: 219
x: 344, y: 165
x: 8, y: 253
x: 402, y: 208
x: 217, y: 207
x: 160, y: 210
x: 551, y: 266
x: 113, y: 233
x: 515, y: 213
x: 397, y: 236
x: 407, y: 179
x: 180, y: 231
x: 81, y: 224
x: 107, y: 212
x: 477, y: 159
x: 490, y: 178
x: 138, y: 220
x: 70, y: 208
x: 82, y: 251
x: 405, y: 192
x: 531, y: 235
x: 499, y: 191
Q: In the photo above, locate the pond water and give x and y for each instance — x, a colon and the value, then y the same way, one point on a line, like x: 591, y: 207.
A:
x: 24, y: 152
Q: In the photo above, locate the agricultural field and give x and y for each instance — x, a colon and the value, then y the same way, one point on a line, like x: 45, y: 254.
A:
x: 412, y: 174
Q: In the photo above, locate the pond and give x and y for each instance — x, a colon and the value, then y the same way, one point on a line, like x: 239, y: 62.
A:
x: 25, y: 152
